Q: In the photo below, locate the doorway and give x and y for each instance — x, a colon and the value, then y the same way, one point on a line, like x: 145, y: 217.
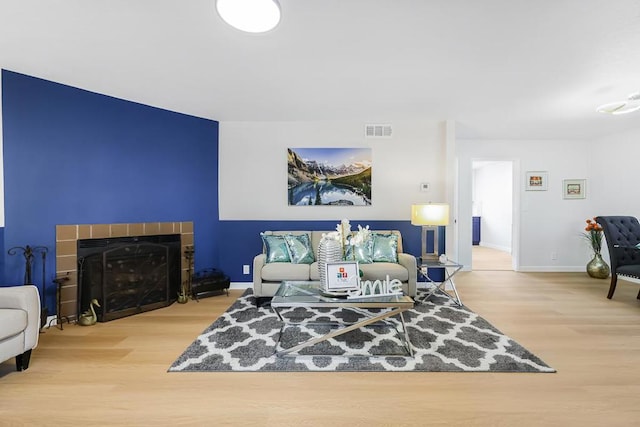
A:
x: 492, y: 211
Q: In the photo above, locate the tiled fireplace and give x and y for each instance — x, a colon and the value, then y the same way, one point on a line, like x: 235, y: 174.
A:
x: 67, y: 237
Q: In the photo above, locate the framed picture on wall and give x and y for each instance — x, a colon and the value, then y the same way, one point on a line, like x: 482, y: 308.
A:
x: 536, y: 181
x: 574, y: 188
x: 329, y: 176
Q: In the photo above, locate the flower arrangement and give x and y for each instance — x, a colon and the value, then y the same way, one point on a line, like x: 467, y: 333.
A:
x: 346, y: 237
x: 361, y: 236
x: 344, y: 231
x: 593, y: 235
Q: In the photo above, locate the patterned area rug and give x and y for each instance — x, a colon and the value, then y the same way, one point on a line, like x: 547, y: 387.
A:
x: 444, y: 337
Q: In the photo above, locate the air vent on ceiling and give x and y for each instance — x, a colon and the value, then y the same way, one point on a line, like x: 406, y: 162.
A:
x: 377, y: 131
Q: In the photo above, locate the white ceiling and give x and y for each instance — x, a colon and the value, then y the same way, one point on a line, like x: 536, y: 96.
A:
x: 503, y: 69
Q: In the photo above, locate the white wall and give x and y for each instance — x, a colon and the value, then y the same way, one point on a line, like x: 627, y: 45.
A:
x: 253, y: 168
x: 614, y: 166
x: 253, y: 181
x: 492, y: 182
x: 548, y: 223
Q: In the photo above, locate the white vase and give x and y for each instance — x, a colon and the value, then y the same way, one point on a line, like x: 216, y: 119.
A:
x: 329, y: 250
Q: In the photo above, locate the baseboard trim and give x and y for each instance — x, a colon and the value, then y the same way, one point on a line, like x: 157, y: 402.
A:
x: 240, y: 285
x: 552, y: 269
x: 51, y: 321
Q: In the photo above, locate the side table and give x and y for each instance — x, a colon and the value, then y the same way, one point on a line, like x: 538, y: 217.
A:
x: 450, y: 268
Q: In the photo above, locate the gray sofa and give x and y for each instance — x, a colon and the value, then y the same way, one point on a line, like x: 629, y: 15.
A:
x: 268, y: 276
x: 19, y: 323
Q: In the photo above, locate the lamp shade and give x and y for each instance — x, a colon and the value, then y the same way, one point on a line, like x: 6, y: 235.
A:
x: 252, y: 16
x: 430, y: 214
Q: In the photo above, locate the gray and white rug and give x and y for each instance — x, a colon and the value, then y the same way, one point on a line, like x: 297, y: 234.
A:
x: 444, y: 337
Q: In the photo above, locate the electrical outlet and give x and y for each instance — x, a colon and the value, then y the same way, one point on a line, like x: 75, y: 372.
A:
x: 554, y: 256
x: 245, y: 269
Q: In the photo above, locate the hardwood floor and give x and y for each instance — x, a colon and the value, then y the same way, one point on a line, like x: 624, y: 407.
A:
x: 484, y: 258
x: 115, y: 373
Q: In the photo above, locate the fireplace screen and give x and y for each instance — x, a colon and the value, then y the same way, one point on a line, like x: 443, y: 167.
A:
x: 128, y: 275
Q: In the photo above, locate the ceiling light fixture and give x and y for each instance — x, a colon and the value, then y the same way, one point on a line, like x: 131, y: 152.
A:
x: 622, y: 107
x: 251, y: 16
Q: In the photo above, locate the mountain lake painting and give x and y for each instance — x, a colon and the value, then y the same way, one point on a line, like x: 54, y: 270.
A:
x: 329, y: 176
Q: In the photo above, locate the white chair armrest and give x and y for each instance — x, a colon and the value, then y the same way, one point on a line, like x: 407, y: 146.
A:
x: 409, y: 262
x: 25, y: 298
x: 258, y: 262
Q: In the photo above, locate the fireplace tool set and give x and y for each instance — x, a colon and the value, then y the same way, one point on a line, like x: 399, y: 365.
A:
x: 59, y: 318
x: 186, y: 290
x: 204, y: 283
x: 28, y: 254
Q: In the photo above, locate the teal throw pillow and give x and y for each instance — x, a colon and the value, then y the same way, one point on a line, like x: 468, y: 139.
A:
x: 300, y: 250
x: 361, y: 253
x: 276, y: 248
x: 385, y: 247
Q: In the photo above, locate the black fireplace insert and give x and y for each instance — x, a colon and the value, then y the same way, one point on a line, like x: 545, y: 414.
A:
x: 128, y: 275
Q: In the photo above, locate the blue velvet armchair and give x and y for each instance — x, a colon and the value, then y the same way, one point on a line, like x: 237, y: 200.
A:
x: 622, y: 234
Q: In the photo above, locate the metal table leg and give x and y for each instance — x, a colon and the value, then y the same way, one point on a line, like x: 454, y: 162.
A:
x: 348, y: 328
x: 441, y: 287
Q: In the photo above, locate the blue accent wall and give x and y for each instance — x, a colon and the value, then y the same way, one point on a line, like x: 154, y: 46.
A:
x: 77, y: 157
x: 2, y: 251
x: 242, y: 239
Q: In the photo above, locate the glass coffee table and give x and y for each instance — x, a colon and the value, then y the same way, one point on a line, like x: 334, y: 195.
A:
x: 292, y: 295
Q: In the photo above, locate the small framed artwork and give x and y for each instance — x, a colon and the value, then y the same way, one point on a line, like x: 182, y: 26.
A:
x: 343, y: 276
x: 536, y: 181
x: 574, y: 188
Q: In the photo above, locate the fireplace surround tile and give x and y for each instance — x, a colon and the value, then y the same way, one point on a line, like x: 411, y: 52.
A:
x: 151, y: 228
x: 167, y: 228
x: 66, y: 247
x: 100, y: 231
x: 66, y: 232
x: 119, y: 230
x: 136, y: 229
x: 66, y: 250
x: 187, y: 239
x: 66, y: 263
x: 84, y: 232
